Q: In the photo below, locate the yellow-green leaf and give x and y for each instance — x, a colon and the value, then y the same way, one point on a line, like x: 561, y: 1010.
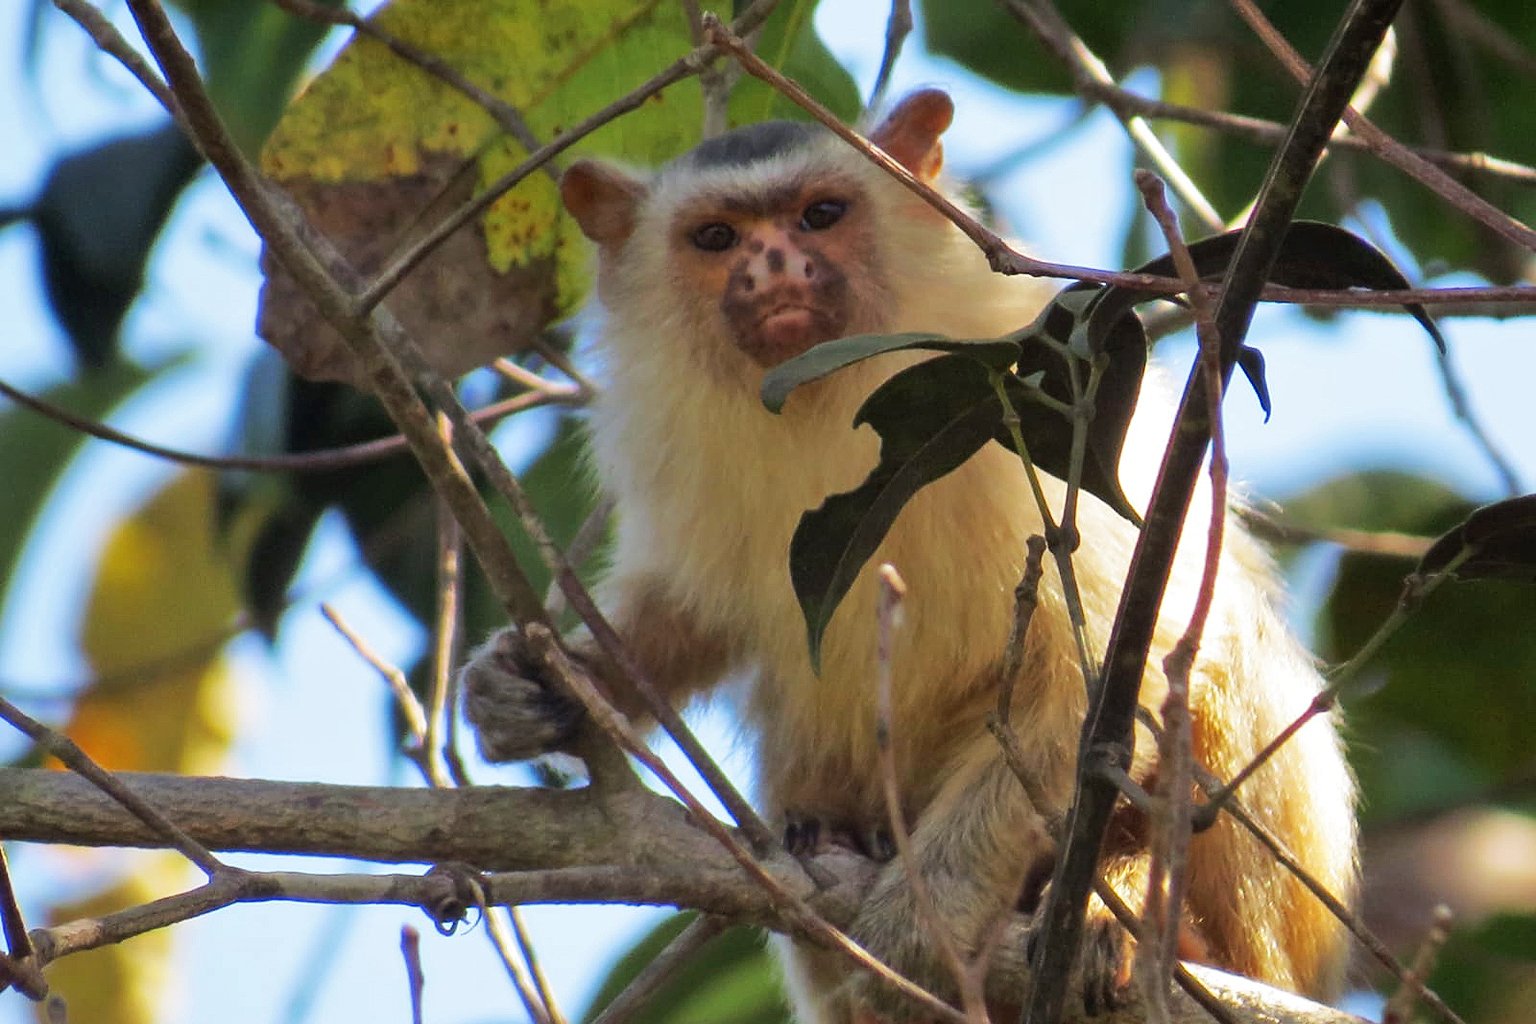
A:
x: 158, y: 617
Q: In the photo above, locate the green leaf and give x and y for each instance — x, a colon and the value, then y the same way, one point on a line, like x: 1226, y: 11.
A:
x: 35, y: 450
x: 1498, y: 541
x: 1426, y: 738
x: 931, y: 418
x: 789, y: 42
x: 1485, y: 971
x: 829, y: 357
x: 984, y: 38
x: 1313, y: 255
x: 97, y: 217
x: 731, y: 978
x: 252, y: 55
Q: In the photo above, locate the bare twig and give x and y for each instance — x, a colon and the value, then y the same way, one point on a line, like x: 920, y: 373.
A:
x: 1083, y: 64
x: 898, y: 25
x: 1461, y: 408
x: 1173, y: 797
x: 110, y: 41
x: 1399, y: 1008
x: 1368, y: 542
x: 405, y: 698
x: 14, y: 967
x: 893, y: 590
x: 415, y: 977
x: 52, y: 742
x: 447, y: 639
x: 1388, y: 148
x: 320, y: 461
x: 1026, y: 598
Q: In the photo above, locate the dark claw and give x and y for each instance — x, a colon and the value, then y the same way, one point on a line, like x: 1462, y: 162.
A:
x: 876, y: 844
x: 802, y: 834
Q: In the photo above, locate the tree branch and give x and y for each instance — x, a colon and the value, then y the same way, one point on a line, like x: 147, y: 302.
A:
x: 541, y: 846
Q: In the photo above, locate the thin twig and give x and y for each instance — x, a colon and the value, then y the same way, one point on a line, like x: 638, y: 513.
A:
x: 1367, y: 542
x: 320, y: 461
x: 898, y: 25
x: 14, y: 969
x: 1083, y: 64
x: 1256, y: 129
x: 1461, y: 408
x: 1388, y: 148
x: 1026, y: 597
x: 110, y: 41
x: 1399, y: 1009
x: 447, y: 632
x: 405, y: 698
x: 76, y: 760
x: 589, y: 535
x: 415, y: 977
x: 893, y: 591
x: 1173, y: 797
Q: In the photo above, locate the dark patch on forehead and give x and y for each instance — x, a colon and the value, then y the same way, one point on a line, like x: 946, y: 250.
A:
x: 751, y: 144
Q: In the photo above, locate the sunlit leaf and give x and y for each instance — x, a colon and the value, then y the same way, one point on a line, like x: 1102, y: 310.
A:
x: 378, y: 150
x: 156, y: 622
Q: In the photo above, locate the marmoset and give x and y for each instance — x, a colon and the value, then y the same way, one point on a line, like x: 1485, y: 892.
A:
x: 747, y: 251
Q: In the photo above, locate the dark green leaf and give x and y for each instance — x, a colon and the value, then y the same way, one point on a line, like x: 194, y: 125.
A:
x: 1486, y: 969
x: 731, y: 978
x: 1458, y: 704
x: 97, y: 217
x: 1313, y: 255
x: 275, y: 555
x: 831, y: 356
x: 1122, y: 345
x: 931, y: 418
x: 1499, y: 541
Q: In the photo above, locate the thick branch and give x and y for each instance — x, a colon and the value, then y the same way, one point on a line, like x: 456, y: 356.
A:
x: 543, y: 846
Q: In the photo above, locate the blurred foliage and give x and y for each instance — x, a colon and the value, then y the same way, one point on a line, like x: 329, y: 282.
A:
x: 1457, y: 697
x: 731, y: 978
x: 1461, y: 84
